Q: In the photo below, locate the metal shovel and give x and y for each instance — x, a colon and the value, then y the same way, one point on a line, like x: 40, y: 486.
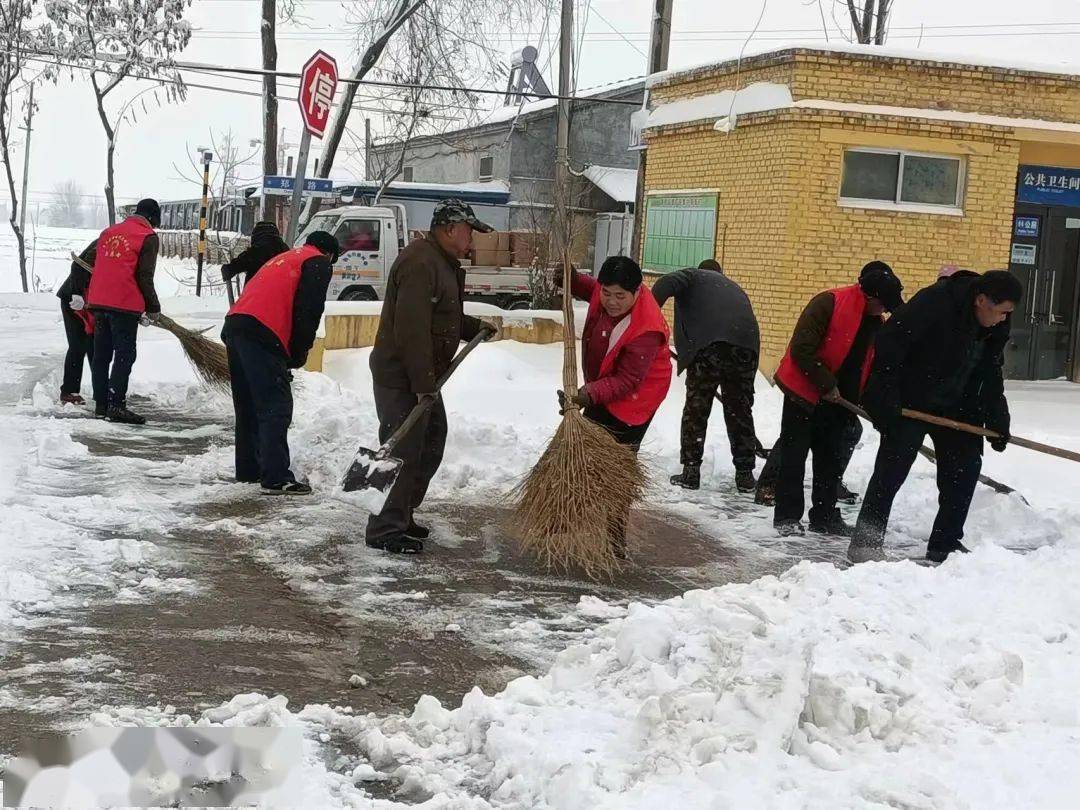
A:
x: 377, y: 469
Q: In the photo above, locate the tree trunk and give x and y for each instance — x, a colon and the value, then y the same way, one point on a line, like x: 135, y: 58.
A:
x: 270, y: 105
x: 19, y: 238
x: 402, y: 12
x: 882, y: 21
x: 110, y: 149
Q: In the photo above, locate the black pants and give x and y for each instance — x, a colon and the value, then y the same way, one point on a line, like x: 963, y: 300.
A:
x: 80, y: 348
x: 849, y: 441
x: 732, y: 370
x: 820, y: 432
x: 421, y: 451
x: 959, y: 461
x: 627, y: 435
x: 115, y: 335
x: 262, y: 399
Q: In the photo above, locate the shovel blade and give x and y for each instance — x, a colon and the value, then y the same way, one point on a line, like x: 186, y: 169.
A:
x: 370, y: 471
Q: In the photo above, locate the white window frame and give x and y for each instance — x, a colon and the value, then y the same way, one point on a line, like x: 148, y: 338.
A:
x: 896, y: 204
x: 480, y: 172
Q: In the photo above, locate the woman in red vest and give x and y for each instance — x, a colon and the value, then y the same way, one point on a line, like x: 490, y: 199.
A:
x: 624, y: 354
x: 828, y: 360
x: 268, y: 331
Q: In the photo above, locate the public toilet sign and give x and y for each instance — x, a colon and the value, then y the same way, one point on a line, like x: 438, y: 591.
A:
x: 1048, y: 185
x: 278, y: 185
x: 318, y: 82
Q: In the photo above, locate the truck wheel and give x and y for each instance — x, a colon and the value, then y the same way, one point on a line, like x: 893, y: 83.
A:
x: 520, y: 303
x: 358, y: 294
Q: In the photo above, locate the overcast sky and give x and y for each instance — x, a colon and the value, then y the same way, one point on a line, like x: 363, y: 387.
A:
x: 68, y: 142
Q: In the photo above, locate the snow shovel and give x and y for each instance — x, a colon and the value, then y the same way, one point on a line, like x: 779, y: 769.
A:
x: 377, y: 469
x: 929, y: 454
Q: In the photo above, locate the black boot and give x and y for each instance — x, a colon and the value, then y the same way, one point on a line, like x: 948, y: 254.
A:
x: 288, y: 488
x: 399, y: 544
x: 417, y: 532
x: 744, y: 481
x: 939, y: 552
x: 834, y: 524
x: 845, y: 495
x: 689, y: 478
x: 790, y: 528
x: 121, y: 415
x: 765, y: 495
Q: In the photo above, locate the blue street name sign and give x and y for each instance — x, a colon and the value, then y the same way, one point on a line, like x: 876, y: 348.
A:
x: 282, y: 186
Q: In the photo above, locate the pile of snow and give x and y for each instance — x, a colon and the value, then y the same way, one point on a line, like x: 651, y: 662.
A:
x: 877, y: 686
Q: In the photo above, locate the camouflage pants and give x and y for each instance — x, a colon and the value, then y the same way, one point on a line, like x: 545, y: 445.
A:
x: 730, y: 369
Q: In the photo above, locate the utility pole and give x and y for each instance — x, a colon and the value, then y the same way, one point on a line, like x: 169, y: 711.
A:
x: 25, y: 183
x: 207, y: 156
x: 367, y: 148
x: 659, y: 48
x: 562, y: 135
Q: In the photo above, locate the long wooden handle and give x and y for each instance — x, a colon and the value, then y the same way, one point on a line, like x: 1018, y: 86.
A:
x: 79, y: 261
x: 424, y: 405
x: 932, y: 419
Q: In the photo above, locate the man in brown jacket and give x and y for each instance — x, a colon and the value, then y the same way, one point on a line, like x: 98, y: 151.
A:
x: 422, y: 323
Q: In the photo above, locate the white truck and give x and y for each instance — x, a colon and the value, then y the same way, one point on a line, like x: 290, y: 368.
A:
x: 372, y: 237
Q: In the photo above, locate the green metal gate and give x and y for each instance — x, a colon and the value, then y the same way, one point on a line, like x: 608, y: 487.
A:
x: 680, y: 231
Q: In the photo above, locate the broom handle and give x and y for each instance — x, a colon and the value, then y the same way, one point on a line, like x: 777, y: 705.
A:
x: 424, y: 405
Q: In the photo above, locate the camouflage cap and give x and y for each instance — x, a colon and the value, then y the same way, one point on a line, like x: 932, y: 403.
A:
x: 450, y: 211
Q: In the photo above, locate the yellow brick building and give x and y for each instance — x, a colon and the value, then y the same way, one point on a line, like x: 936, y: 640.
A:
x: 834, y: 157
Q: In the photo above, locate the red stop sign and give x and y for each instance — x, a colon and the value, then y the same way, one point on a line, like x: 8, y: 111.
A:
x: 317, y: 85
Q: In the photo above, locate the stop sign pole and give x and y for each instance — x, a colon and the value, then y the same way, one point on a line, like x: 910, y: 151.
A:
x: 317, y: 85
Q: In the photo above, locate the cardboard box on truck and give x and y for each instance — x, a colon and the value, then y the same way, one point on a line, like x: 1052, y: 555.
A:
x: 491, y: 258
x: 526, y: 246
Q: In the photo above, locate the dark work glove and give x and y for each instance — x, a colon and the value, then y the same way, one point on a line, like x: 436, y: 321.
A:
x: 581, y: 399
x: 1002, y: 441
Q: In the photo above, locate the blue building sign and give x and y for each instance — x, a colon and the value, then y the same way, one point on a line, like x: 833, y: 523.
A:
x: 1048, y: 185
x: 281, y: 185
x: 1026, y: 226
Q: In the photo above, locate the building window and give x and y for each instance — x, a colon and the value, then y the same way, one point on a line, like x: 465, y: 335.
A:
x: 407, y: 174
x: 487, y: 167
x: 890, y: 178
x: 680, y: 231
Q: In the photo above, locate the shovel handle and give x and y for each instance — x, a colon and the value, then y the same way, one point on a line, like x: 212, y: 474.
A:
x: 964, y: 427
x: 79, y: 261
x: 424, y: 405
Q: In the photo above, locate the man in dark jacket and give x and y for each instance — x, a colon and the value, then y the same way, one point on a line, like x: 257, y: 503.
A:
x: 421, y: 325
x: 120, y: 295
x: 78, y: 326
x: 942, y: 353
x: 269, y: 331
x: 827, y: 361
x: 266, y: 243
x: 717, y: 340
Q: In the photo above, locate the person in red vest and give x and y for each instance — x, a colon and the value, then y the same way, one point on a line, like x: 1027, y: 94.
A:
x: 121, y: 295
x: 625, y: 356
x: 827, y: 361
x: 268, y: 331
x: 78, y: 326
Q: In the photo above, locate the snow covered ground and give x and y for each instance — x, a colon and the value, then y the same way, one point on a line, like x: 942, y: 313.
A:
x: 884, y: 685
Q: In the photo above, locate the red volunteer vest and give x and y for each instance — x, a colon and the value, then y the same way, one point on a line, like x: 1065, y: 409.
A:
x: 848, y: 310
x: 269, y: 296
x: 639, y: 407
x: 112, y: 285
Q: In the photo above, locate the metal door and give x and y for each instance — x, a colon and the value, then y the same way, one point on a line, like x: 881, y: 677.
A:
x: 1044, y: 256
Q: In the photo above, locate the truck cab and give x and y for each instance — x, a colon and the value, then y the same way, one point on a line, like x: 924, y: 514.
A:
x: 370, y: 239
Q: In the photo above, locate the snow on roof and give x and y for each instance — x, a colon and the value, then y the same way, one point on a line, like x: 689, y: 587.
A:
x: 512, y: 111
x: 766, y: 97
x: 1062, y: 68
x: 494, y: 186
x: 756, y: 97
x: 619, y: 184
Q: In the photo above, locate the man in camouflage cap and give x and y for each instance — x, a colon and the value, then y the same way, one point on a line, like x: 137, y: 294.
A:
x: 422, y: 323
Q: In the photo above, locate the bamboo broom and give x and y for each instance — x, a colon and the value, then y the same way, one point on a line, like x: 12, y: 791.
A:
x: 207, y: 357
x: 573, y: 502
